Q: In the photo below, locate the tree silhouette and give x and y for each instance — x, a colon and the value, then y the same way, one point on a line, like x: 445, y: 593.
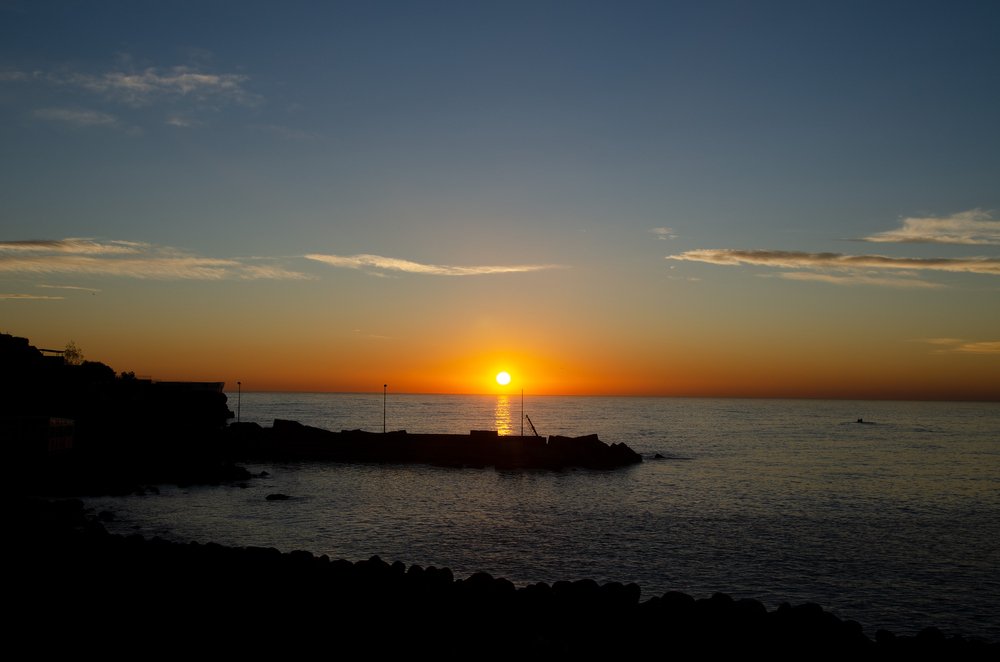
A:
x: 73, y: 355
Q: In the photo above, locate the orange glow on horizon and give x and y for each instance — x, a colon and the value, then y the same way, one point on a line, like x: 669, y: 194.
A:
x: 573, y: 365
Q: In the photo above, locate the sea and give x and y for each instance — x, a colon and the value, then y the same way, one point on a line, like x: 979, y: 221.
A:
x: 886, y: 513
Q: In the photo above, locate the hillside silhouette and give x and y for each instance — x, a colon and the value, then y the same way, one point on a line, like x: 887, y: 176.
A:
x: 79, y: 427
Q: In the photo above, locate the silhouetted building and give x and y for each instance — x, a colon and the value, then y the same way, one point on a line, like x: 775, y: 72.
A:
x: 36, y: 437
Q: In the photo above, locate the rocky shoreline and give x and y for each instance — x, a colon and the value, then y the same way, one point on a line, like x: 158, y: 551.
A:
x: 98, y: 590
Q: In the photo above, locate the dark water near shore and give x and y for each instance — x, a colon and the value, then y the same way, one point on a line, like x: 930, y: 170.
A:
x: 895, y: 524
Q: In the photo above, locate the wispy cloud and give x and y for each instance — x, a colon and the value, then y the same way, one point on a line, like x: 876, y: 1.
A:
x: 182, y: 90
x: 29, y: 297
x: 941, y: 341
x: 181, y: 122
x: 140, y: 88
x: 77, y: 116
x: 663, y: 233
x: 73, y: 245
x: 129, y: 260
x: 964, y: 346
x: 862, y: 278
x: 375, y: 336
x: 973, y: 227
x: 799, y: 260
x: 989, y: 347
x: 407, y: 266
x: 92, y: 290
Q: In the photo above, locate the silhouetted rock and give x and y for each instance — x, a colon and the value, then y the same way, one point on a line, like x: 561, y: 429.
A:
x: 277, y: 497
x: 207, y: 597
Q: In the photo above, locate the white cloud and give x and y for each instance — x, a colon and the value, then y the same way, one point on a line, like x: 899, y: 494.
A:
x: 407, y: 266
x: 664, y: 233
x: 799, y: 260
x: 128, y: 259
x: 973, y: 227
x: 77, y: 116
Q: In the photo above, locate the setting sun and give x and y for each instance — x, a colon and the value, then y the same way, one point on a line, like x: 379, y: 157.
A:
x: 503, y: 378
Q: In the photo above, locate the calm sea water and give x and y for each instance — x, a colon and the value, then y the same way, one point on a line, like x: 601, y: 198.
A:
x: 894, y: 523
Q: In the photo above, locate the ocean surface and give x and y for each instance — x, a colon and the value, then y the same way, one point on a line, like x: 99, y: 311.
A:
x: 893, y: 522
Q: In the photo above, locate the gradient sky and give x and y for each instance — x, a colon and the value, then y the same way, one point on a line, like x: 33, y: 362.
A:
x: 676, y: 198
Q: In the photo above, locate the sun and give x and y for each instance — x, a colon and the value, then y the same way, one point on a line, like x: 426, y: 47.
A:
x: 503, y: 378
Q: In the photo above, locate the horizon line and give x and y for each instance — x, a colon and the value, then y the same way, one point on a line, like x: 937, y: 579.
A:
x: 638, y: 395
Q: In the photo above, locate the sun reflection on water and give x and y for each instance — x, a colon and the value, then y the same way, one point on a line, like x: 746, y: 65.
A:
x: 504, y: 425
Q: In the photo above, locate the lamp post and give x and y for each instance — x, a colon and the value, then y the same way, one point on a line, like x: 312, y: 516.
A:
x: 239, y: 399
x: 384, y: 387
x: 522, y: 412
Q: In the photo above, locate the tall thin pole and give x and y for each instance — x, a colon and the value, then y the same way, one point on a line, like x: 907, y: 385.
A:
x: 522, y: 412
x: 239, y: 399
x: 384, y: 387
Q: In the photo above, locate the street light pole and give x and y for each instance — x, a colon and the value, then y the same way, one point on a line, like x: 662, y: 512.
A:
x: 384, y: 387
x: 239, y: 399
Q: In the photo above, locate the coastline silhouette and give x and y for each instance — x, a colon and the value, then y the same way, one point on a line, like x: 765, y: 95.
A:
x: 241, y: 600
x: 89, y: 573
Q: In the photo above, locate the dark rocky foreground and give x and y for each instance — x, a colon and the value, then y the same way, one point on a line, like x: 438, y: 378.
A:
x: 74, y: 588
x: 290, y: 440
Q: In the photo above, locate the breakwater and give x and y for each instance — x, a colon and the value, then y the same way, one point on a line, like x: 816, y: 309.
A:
x: 292, y: 440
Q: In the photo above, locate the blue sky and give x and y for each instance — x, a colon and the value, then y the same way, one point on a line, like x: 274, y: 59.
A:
x: 654, y: 160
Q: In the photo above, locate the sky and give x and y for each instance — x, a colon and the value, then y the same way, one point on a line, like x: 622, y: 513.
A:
x: 747, y: 199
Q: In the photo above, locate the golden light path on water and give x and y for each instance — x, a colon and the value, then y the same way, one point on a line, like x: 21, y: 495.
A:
x: 502, y: 415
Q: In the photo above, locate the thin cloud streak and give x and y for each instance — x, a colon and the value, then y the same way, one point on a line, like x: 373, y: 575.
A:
x: 181, y: 122
x: 29, y: 297
x: 802, y: 260
x: 129, y: 260
x: 74, y: 245
x: 407, y: 266
x: 990, y: 347
x: 941, y: 341
x: 959, y: 345
x: 975, y: 227
x: 860, y: 279
x: 77, y: 116
x: 92, y: 290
